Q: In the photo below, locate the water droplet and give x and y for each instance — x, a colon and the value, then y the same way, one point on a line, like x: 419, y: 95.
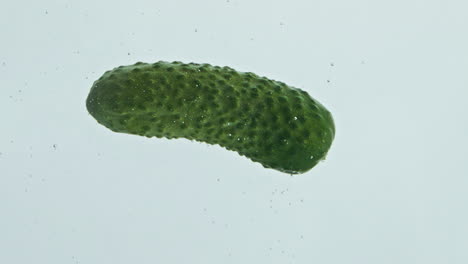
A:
x: 295, y: 118
x: 311, y: 156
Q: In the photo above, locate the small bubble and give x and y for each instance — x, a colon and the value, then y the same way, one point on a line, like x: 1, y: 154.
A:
x: 311, y: 156
x: 54, y: 146
x: 128, y: 53
x: 295, y: 118
x: 196, y: 30
x: 332, y: 64
x: 328, y: 81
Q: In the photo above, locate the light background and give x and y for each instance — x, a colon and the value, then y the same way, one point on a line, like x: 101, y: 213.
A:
x: 392, y: 190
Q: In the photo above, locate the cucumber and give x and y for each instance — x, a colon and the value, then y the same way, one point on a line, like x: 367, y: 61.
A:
x: 267, y: 121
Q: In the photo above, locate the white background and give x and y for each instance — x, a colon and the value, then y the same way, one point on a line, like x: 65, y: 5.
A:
x: 392, y: 190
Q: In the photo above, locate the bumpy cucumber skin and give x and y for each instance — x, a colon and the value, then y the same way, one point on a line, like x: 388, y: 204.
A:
x: 269, y: 122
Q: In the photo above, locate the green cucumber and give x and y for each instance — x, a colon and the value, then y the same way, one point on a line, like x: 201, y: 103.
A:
x: 267, y: 121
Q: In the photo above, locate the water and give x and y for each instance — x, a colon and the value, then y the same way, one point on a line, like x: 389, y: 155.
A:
x: 391, y: 190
